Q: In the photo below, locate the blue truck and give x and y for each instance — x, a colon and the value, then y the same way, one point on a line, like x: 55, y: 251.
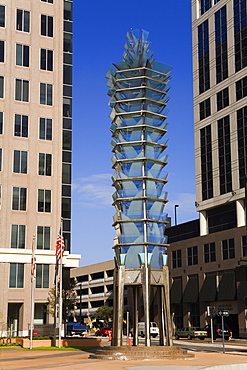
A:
x: 75, y: 328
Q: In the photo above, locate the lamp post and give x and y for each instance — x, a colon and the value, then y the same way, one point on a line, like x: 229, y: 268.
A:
x: 80, y: 304
x: 175, y: 212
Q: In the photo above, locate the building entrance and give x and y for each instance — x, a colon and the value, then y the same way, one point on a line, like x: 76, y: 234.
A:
x: 13, y: 319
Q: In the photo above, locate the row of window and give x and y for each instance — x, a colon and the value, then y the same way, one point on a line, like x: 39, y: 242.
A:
x: 224, y: 154
x: 23, y: 19
x: 18, y: 237
x: 209, y: 252
x: 23, y: 53
x: 222, y: 98
x: 19, y: 199
x: 205, y: 5
x: 16, y: 275
x: 21, y: 123
x: 46, y: 94
x: 20, y: 162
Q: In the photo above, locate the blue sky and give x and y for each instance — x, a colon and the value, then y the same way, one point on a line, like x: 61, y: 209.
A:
x: 100, y: 29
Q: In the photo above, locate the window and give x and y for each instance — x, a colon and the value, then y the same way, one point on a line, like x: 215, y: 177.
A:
x: 44, y: 200
x: 42, y: 276
x: 205, y: 109
x: 221, y: 56
x: 46, y: 59
x: 1, y: 87
x: 240, y: 33
x: 16, y: 275
x: 45, y: 129
x: 192, y: 256
x: 206, y: 162
x: 1, y: 51
x: 19, y: 199
x: 222, y: 99
x: 205, y: 6
x: 242, y: 144
x: 222, y: 218
x: 1, y: 154
x: 23, y: 20
x: 244, y: 245
x: 20, y: 161
x: 241, y: 88
x: 209, y: 252
x: 21, y: 125
x: 67, y: 11
x: 21, y: 90
x: 224, y: 147
x: 1, y: 123
x: 67, y: 107
x: 46, y: 25
x: 43, y: 237
x: 2, y: 16
x: 177, y: 258
x: 228, y: 250
x: 48, y: 1
x: 18, y: 236
x: 22, y: 55
x: 203, y: 57
x: 45, y: 164
x: 45, y: 94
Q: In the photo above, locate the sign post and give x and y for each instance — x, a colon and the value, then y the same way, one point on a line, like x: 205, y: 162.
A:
x: 212, y: 313
x: 223, y: 313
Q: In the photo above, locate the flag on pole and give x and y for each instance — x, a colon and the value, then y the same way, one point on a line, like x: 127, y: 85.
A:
x: 59, y: 247
x: 33, y: 260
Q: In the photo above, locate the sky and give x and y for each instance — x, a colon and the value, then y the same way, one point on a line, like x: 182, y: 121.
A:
x: 100, y: 28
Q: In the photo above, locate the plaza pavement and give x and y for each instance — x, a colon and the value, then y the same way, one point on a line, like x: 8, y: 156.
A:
x: 11, y: 359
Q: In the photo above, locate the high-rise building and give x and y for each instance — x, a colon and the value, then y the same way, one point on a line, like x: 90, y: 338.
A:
x: 207, y: 257
x: 35, y: 151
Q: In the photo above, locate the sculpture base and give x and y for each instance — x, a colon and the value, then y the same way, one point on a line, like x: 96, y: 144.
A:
x: 141, y: 353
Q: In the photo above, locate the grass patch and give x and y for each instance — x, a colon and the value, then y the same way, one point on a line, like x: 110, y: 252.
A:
x: 60, y: 349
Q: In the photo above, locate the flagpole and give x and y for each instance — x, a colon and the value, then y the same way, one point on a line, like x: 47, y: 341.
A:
x: 61, y: 283
x: 33, y: 278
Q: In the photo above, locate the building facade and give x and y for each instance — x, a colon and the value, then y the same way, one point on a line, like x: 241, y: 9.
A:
x: 35, y: 151
x: 207, y: 256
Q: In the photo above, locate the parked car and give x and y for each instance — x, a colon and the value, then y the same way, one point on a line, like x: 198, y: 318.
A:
x: 191, y: 332
x: 217, y: 331
x: 103, y: 332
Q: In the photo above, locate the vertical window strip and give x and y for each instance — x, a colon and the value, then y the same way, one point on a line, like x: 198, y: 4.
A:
x: 206, y: 163
x: 221, y: 45
x: 224, y: 148
x: 203, y: 57
x: 242, y: 145
x: 240, y: 34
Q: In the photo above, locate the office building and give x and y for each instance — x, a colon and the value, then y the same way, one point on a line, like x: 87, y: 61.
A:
x: 207, y: 256
x: 35, y: 152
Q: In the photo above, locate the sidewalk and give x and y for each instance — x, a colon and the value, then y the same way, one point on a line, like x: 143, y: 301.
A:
x: 11, y: 359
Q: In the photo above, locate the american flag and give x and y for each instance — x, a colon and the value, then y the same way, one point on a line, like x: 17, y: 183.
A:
x: 59, y: 246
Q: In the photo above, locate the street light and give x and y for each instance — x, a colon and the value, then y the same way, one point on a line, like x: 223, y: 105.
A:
x: 175, y: 211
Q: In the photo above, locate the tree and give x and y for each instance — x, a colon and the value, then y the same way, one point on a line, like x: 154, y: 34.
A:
x: 68, y: 294
x: 104, y: 313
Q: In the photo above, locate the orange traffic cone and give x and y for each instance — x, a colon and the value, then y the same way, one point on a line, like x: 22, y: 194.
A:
x: 109, y: 337
x: 130, y: 340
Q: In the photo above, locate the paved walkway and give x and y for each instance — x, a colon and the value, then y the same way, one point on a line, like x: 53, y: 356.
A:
x: 11, y: 359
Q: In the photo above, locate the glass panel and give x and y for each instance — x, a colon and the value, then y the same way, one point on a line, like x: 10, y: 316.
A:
x: 49, y: 129
x: 24, y: 126
x: 26, y: 21
x: 20, y: 275
x: 23, y: 192
x: 38, y: 276
x: 1, y: 86
x: 15, y: 199
x: 2, y: 16
x: 45, y: 276
x: 19, y: 20
x: 1, y: 123
x: 42, y: 128
x: 25, y: 56
x: 25, y: 90
x: 39, y: 237
x: 50, y: 26
x: 66, y: 173
x: 49, y: 94
x: 41, y: 164
x: 14, y: 234
x: 18, y: 54
x: 23, y: 162
x: 16, y: 167
x: 47, y: 200
x: 12, y: 275
x: 46, y: 237
x: 42, y: 93
x: 40, y: 200
x: 22, y: 235
x: 17, y: 125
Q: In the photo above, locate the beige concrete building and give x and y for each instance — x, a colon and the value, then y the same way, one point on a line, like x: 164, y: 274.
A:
x: 94, y: 288
x: 207, y: 256
x: 35, y: 151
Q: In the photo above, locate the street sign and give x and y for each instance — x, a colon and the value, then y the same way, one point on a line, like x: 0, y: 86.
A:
x: 211, y: 311
x: 223, y: 313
